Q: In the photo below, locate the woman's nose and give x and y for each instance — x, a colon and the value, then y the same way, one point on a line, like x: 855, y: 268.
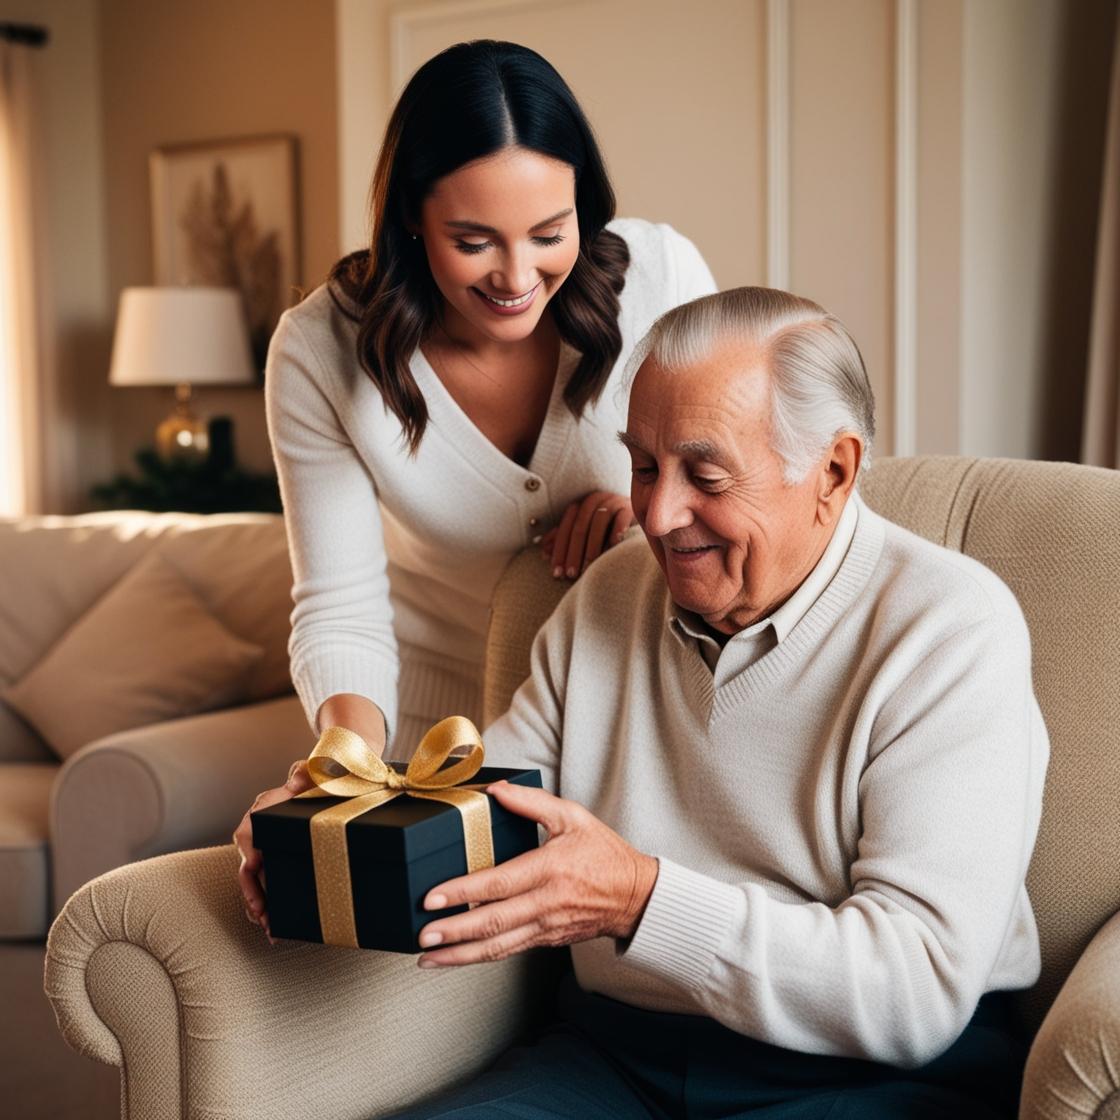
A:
x: 516, y: 275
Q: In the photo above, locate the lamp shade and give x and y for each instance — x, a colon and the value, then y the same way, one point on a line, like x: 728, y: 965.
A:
x: 172, y: 336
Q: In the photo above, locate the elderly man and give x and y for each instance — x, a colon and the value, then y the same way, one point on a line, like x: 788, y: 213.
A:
x: 797, y: 765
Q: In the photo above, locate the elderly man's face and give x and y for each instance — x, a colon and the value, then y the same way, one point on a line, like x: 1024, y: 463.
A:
x: 733, y: 539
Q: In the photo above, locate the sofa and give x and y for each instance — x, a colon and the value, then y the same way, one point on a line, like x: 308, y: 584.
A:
x: 144, y: 700
x: 153, y: 968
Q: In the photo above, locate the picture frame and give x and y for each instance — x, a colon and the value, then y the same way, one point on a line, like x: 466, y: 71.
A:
x: 225, y: 213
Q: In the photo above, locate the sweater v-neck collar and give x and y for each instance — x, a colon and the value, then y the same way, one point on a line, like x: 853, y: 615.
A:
x: 852, y: 576
x: 461, y: 432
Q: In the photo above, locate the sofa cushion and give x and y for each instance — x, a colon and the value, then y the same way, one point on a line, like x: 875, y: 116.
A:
x: 56, y: 568
x: 19, y: 741
x: 147, y: 651
x: 25, y: 795
x: 239, y: 566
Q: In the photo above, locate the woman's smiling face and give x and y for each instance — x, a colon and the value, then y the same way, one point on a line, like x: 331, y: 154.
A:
x: 501, y: 236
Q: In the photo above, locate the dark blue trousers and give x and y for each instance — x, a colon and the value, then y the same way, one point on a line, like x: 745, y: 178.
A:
x: 604, y: 1060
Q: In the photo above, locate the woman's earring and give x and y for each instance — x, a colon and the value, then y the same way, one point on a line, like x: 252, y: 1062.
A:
x: 415, y: 237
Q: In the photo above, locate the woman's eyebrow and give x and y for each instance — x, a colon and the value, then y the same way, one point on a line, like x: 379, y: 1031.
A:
x: 478, y: 227
x: 553, y: 219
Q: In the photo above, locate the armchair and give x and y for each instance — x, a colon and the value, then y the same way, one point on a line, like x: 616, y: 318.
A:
x: 154, y: 969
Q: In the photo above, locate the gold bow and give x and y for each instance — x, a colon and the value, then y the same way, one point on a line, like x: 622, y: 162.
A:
x: 343, y: 765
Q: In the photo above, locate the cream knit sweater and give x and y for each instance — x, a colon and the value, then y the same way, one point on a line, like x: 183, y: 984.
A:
x: 843, y: 826
x: 395, y: 558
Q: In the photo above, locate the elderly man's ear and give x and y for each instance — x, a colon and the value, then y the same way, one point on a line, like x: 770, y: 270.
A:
x: 838, y: 473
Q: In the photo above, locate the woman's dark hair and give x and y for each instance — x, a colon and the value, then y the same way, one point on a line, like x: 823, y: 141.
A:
x: 468, y: 102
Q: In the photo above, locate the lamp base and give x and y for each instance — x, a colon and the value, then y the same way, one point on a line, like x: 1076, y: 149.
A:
x: 182, y: 435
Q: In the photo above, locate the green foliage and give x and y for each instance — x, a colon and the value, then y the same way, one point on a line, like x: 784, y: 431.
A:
x: 188, y: 487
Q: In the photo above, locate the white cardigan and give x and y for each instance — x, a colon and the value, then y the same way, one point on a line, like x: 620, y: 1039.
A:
x: 395, y: 557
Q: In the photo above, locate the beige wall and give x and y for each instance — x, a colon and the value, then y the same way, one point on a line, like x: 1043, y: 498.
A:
x: 678, y: 96
x: 190, y: 70
x: 1010, y: 102
x: 955, y: 242
x: 673, y: 91
x: 841, y: 165
x: 1047, y: 114
x: 1035, y: 76
x: 938, y: 231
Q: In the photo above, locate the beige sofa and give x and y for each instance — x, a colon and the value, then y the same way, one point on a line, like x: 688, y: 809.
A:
x: 68, y: 817
x: 154, y: 969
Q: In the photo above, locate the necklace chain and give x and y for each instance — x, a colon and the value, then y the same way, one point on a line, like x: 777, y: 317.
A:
x: 459, y: 349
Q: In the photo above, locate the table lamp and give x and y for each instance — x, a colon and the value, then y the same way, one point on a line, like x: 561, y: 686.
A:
x: 181, y: 337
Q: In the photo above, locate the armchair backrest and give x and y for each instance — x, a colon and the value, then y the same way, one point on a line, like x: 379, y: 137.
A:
x: 1051, y: 531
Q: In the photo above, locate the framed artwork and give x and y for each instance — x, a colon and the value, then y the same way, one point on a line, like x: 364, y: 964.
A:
x: 226, y: 214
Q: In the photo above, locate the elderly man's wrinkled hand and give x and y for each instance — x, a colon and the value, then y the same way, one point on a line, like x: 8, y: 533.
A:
x: 584, y: 882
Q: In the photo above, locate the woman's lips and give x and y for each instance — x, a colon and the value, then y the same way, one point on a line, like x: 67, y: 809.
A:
x: 516, y: 306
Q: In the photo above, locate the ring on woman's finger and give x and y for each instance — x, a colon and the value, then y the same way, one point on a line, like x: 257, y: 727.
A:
x: 602, y: 509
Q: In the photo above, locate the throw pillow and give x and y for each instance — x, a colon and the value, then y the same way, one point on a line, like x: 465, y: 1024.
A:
x: 146, y: 651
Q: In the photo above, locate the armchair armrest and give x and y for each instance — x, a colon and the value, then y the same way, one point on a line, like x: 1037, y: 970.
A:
x: 154, y: 967
x: 168, y: 786
x: 1074, y: 1065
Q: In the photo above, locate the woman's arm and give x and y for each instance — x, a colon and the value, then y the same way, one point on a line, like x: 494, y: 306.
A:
x: 357, y: 713
x: 343, y: 649
x: 342, y: 624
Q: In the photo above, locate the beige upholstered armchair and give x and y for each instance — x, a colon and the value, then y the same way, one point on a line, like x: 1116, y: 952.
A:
x: 153, y: 968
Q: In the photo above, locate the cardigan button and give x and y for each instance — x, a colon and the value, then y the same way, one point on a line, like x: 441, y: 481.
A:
x: 534, y: 522
x: 532, y: 484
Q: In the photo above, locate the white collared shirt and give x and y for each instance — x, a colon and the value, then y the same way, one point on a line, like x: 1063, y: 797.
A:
x: 747, y: 646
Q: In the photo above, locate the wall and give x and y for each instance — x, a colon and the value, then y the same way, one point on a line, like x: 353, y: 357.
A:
x: 928, y: 170
x: 1010, y: 112
x: 76, y: 319
x: 674, y: 93
x: 192, y: 70
x: 1035, y: 80
x: 678, y: 97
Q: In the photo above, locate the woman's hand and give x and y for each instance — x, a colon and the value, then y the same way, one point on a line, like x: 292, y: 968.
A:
x: 588, y: 528
x: 344, y: 709
x: 249, y: 873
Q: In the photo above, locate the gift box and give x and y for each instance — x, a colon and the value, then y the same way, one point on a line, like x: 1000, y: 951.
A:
x: 397, y: 852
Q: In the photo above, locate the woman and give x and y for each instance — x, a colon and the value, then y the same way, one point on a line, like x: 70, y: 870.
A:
x: 449, y: 396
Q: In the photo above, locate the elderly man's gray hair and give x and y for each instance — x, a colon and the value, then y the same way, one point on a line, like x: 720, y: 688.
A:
x: 818, y: 383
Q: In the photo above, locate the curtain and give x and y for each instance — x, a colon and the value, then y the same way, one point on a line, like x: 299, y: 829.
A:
x: 1100, y: 441
x: 22, y: 373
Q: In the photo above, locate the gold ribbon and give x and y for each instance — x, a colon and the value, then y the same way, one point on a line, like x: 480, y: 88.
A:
x: 343, y: 765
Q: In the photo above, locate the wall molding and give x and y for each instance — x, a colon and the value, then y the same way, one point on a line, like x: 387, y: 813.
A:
x: 357, y: 35
x: 777, y: 143
x: 404, y: 21
x: 906, y: 228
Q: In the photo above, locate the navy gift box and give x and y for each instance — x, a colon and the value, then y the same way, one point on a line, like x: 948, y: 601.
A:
x: 398, y: 852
